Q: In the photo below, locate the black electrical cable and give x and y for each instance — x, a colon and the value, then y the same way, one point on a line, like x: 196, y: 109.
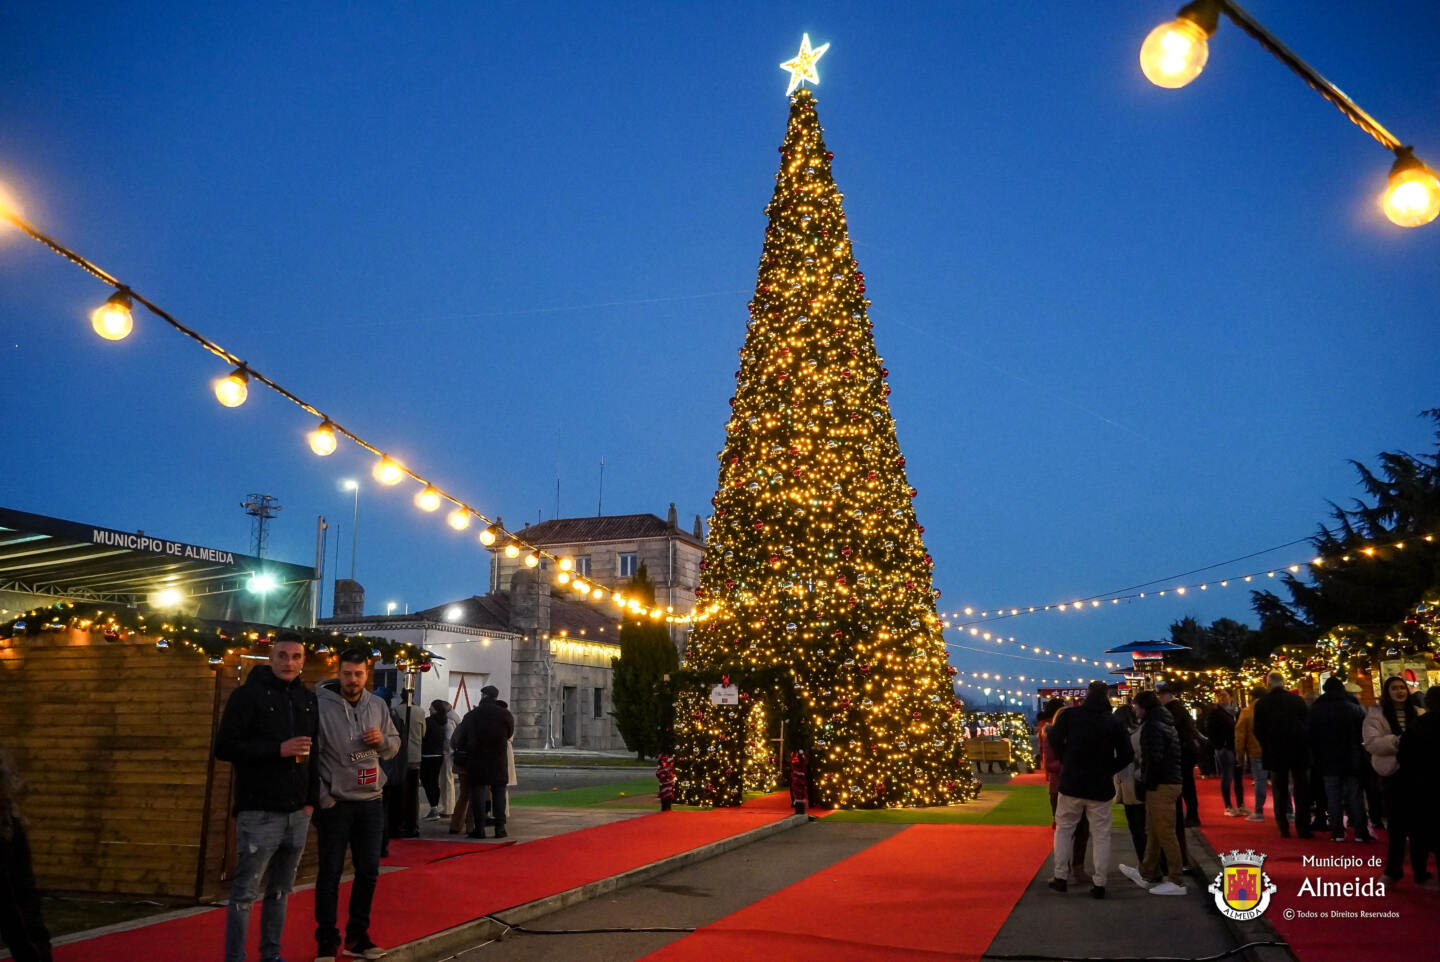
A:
x: 619, y: 930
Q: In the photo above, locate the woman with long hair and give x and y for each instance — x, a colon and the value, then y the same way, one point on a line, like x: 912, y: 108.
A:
x: 1384, y: 724
x: 21, y: 924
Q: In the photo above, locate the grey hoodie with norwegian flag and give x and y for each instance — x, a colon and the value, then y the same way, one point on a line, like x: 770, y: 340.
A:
x: 350, y: 769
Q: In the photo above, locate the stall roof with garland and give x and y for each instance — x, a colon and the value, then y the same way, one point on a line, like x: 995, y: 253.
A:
x: 212, y: 639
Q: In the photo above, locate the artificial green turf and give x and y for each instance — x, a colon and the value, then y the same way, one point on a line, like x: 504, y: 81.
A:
x: 1022, y: 805
x: 589, y: 795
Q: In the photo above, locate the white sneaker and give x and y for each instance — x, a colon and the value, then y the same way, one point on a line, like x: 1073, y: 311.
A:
x: 1167, y: 888
x: 1133, y: 874
x: 1255, y: 817
x: 1231, y: 812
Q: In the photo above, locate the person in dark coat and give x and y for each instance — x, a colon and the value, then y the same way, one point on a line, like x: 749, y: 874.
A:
x: 268, y: 733
x: 1092, y: 747
x: 1189, y: 750
x: 432, y: 755
x: 1220, y: 730
x: 1419, y: 756
x: 22, y: 927
x: 1280, y: 718
x: 479, y: 745
x: 1335, y: 752
x: 1161, y: 778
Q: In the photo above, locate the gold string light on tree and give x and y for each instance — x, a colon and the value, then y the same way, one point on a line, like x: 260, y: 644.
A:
x: 816, y: 576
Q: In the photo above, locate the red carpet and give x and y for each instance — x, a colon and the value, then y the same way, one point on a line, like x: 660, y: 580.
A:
x: 1326, y: 938
x: 413, y: 851
x: 1029, y: 778
x: 434, y: 896
x: 779, y: 802
x: 930, y: 892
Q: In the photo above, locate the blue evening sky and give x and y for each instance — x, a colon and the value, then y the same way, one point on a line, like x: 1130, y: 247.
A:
x: 1131, y: 332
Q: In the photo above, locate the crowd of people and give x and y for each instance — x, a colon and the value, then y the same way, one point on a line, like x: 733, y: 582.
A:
x: 1328, y: 765
x: 333, y: 758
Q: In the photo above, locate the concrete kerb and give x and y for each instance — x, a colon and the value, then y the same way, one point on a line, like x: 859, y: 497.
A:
x: 449, y: 943
x: 1255, y: 930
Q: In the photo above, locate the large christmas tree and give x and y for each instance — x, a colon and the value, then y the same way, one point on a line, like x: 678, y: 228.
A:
x: 816, y: 596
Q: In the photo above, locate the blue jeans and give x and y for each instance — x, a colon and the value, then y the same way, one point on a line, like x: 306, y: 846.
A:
x: 1229, y: 774
x: 358, y: 826
x: 1346, y: 789
x: 1262, y: 778
x: 273, y: 840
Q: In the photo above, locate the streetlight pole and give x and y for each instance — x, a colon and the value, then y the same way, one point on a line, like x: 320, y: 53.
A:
x: 351, y: 485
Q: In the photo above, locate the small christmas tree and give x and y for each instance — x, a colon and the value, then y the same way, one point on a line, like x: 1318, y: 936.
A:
x: 816, y: 592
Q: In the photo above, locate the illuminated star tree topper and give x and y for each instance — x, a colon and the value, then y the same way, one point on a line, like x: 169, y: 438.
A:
x: 802, y: 68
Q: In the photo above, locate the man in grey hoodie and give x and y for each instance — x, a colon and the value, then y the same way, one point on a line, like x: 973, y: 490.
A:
x: 355, y: 734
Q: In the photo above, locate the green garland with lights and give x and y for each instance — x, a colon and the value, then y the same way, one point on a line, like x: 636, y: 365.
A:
x: 212, y: 640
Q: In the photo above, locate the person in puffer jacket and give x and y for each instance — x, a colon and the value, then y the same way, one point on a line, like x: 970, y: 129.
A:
x: 1160, y: 776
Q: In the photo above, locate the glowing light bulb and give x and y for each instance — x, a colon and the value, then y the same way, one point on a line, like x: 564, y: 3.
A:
x: 113, y: 320
x: 1412, y: 198
x: 1174, y: 53
x: 232, y: 389
x: 531, y: 560
x: 322, y: 439
x: 427, y: 498
x: 512, y: 550
x: 459, y: 519
x: 567, y: 564
x: 489, y: 536
x: 388, y: 471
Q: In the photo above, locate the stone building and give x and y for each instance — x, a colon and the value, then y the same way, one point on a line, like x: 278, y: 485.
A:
x: 609, y: 550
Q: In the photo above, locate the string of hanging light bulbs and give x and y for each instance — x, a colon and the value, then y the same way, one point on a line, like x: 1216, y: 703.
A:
x: 1369, y: 552
x: 1174, y: 53
x: 1036, y: 649
x: 114, y: 321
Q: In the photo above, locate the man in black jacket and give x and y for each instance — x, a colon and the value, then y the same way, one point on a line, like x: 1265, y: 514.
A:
x: 1337, y: 754
x: 1092, y: 746
x: 480, y: 741
x: 267, y: 733
x: 1280, y: 718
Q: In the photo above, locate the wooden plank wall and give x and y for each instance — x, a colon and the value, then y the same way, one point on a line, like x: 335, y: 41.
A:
x: 114, y: 742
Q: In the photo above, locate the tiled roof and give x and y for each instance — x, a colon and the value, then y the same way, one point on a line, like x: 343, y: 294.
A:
x: 619, y: 527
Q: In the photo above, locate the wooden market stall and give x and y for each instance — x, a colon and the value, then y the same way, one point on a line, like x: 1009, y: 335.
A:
x: 111, y: 725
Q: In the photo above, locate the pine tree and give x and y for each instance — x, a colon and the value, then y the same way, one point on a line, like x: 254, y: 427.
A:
x: 816, y: 592
x: 642, y: 711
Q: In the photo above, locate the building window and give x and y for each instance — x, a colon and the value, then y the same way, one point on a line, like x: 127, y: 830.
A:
x: 582, y: 565
x: 599, y: 703
x: 628, y: 565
